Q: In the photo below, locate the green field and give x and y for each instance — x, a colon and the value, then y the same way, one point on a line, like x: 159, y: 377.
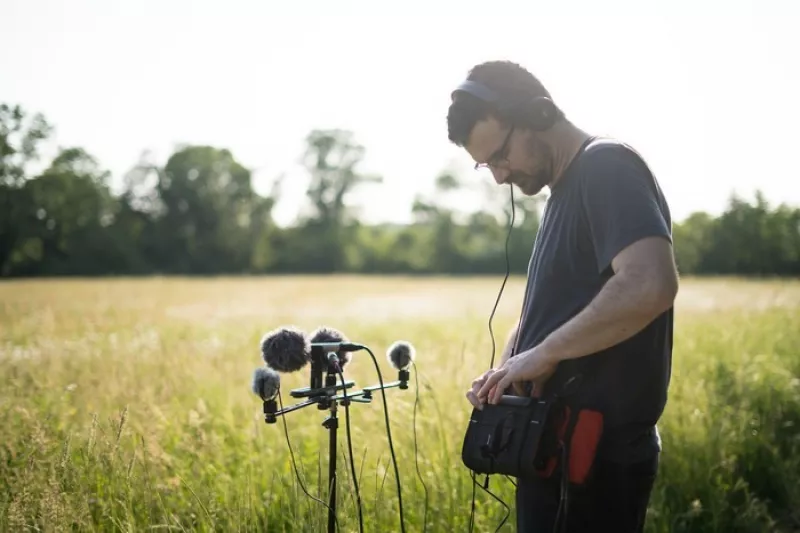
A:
x: 126, y: 406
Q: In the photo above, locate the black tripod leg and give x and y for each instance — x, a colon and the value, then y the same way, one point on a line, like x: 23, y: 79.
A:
x: 332, y: 424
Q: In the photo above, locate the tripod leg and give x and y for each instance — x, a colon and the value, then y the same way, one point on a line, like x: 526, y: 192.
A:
x: 332, y: 424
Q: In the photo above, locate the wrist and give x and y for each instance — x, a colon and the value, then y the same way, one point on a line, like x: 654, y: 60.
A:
x: 551, y: 350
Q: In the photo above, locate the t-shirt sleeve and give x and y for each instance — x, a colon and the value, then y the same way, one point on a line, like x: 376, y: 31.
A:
x: 621, y: 203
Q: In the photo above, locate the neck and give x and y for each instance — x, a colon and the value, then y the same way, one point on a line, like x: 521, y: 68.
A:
x: 565, y: 140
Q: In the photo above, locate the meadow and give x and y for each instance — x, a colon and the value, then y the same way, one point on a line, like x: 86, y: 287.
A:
x: 126, y: 406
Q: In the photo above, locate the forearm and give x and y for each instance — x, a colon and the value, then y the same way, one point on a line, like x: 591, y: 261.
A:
x: 510, y: 341
x: 625, y: 305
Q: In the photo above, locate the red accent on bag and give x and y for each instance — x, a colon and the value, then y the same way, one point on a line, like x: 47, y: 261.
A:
x: 584, y: 441
x: 583, y: 444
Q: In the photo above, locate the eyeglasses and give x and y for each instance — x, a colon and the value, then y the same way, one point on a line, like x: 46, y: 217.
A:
x: 499, y: 156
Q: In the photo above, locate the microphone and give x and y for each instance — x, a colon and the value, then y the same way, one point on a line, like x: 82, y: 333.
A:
x: 285, y: 349
x: 266, y: 384
x: 401, y: 354
x: 331, y: 340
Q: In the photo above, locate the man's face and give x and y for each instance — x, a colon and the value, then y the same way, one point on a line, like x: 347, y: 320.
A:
x: 513, y: 155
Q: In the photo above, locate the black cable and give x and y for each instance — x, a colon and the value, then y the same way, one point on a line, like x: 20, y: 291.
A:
x: 416, y: 456
x: 491, y: 334
x: 561, y: 514
x: 490, y: 493
x: 294, y: 464
x: 350, y: 451
x: 389, y: 435
x: 505, y: 279
x: 472, y: 512
x: 508, y: 510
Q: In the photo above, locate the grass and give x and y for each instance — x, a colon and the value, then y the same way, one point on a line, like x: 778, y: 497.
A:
x: 125, y: 406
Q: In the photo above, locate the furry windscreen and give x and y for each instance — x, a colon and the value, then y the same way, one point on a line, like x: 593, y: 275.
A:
x: 266, y: 383
x: 400, y: 354
x: 285, y: 349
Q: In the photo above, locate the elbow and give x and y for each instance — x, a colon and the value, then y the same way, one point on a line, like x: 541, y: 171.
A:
x: 653, y: 294
x: 662, y: 294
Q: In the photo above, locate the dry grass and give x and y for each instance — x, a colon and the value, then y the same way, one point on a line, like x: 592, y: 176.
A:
x: 126, y: 405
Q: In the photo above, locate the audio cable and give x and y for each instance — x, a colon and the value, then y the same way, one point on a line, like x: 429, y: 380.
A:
x: 416, y: 454
x: 389, y: 436
x: 485, y: 484
x: 346, y: 404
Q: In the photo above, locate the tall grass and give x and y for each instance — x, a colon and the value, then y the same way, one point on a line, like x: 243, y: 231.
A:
x: 125, y: 406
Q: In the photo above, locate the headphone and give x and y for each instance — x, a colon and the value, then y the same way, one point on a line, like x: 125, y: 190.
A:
x: 538, y: 113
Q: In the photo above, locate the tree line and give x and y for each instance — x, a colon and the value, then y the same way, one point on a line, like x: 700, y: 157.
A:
x: 198, y: 214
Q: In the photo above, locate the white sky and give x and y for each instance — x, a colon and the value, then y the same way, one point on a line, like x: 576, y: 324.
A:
x: 119, y: 78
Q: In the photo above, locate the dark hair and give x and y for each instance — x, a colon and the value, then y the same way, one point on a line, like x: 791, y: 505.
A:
x: 512, y: 83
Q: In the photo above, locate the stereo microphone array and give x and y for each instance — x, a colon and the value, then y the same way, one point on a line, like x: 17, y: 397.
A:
x: 327, y: 353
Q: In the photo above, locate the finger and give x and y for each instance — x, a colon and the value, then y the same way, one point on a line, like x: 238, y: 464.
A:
x: 479, y: 380
x: 478, y: 383
x: 473, y: 399
x: 491, y: 382
x: 497, y: 393
x: 519, y: 388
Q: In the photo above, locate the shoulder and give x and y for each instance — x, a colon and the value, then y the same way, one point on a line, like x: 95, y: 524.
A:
x: 610, y: 165
x: 605, y: 153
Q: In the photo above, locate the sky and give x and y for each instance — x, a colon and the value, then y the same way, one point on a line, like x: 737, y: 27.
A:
x: 708, y: 91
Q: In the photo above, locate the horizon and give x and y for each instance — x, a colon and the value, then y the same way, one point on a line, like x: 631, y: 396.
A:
x: 708, y: 99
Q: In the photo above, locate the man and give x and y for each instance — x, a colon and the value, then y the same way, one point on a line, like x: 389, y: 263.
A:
x: 600, y: 290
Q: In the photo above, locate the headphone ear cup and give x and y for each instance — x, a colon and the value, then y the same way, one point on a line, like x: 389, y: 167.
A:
x: 541, y: 113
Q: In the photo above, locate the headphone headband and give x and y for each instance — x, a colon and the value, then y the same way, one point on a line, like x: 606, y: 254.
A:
x: 477, y: 89
x: 540, y: 114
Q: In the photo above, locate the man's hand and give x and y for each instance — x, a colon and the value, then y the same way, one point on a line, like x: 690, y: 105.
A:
x: 477, y: 384
x: 518, y: 388
x: 535, y: 365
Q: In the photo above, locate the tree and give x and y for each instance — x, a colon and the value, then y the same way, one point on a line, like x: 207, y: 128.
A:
x: 20, y: 137
x: 331, y: 159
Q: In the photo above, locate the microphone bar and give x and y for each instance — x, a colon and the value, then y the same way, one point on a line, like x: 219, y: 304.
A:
x: 365, y: 394
x: 390, y: 385
x: 337, y: 346
x: 308, y: 392
x: 271, y: 412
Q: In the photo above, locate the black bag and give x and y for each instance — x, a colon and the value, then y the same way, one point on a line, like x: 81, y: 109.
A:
x: 506, y: 438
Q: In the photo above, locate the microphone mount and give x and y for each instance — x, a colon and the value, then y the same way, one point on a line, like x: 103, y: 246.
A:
x: 327, y: 393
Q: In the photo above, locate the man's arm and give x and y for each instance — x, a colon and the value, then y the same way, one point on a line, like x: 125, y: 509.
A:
x: 510, y: 340
x: 631, y: 236
x: 644, y: 285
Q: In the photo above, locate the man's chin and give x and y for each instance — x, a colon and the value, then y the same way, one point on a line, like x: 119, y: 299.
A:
x: 529, y: 185
x: 532, y: 188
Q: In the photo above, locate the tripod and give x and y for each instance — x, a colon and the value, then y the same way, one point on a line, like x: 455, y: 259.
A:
x: 325, y: 397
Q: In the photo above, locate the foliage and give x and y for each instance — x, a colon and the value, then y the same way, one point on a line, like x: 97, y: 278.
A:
x: 199, y: 214
x: 126, y: 406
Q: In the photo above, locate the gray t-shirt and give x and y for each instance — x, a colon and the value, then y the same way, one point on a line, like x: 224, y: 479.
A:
x: 606, y: 200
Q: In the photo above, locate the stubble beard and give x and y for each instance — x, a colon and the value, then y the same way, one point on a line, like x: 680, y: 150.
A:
x: 532, y: 184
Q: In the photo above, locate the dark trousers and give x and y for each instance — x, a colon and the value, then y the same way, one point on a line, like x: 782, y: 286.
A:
x: 614, y: 499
